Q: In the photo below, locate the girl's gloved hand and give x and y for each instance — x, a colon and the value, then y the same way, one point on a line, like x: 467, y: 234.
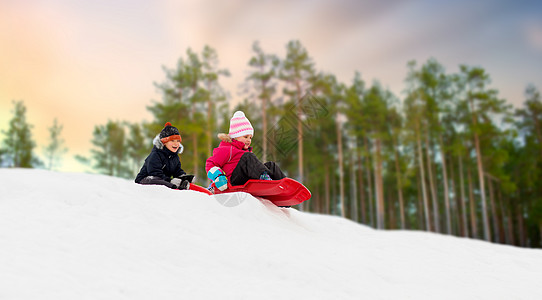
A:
x: 217, y: 176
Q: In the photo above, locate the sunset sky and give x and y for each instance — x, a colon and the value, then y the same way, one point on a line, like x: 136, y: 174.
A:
x: 87, y: 62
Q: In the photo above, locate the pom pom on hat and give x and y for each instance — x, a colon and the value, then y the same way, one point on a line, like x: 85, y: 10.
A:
x: 169, y: 133
x: 240, y: 125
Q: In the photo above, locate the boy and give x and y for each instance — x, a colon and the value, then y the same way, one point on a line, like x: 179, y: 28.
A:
x: 162, y: 166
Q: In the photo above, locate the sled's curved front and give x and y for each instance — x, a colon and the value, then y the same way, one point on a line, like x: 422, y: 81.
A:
x: 284, y: 192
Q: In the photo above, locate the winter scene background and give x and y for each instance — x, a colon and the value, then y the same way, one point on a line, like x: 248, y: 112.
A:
x: 416, y: 125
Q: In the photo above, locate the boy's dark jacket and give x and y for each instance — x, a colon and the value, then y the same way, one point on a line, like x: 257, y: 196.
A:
x: 161, y: 163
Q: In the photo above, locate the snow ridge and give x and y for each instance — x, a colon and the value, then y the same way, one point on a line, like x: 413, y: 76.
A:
x: 85, y: 236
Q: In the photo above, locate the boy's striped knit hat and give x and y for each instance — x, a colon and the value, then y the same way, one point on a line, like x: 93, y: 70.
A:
x: 169, y: 133
x: 240, y: 125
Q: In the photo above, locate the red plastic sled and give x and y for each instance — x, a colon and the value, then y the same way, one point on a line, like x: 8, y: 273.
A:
x: 284, y: 192
x: 198, y: 188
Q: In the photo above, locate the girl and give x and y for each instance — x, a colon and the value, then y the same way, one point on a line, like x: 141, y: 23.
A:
x: 163, y: 166
x: 233, y: 159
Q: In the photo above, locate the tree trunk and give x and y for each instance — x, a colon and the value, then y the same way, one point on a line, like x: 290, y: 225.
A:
x: 506, y: 223
x: 210, y: 129
x: 327, y: 192
x: 341, y: 168
x: 502, y: 230
x: 299, y: 136
x: 399, y: 184
x: 420, y: 209
x: 485, y: 217
x: 195, y: 153
x: 361, y: 188
x: 264, y: 120
x: 457, y: 226
x: 379, y: 186
x: 422, y: 174
x: 195, y: 137
x: 487, y: 235
x: 463, y: 200
x: 369, y: 183
x: 494, y: 217
x: 273, y: 141
x: 318, y: 200
x: 512, y: 240
x: 521, y: 228
x: 473, y: 220
x: 392, y: 223
x: 353, y: 189
x: 446, y: 191
x: 332, y: 199
x: 432, y: 188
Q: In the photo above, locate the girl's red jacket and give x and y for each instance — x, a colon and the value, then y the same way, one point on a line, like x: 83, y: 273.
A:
x: 226, y: 156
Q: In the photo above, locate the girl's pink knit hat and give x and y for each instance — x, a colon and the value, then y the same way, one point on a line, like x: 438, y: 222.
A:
x: 240, y: 125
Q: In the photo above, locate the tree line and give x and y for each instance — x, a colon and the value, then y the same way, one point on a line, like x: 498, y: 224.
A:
x: 18, y: 149
x: 450, y: 156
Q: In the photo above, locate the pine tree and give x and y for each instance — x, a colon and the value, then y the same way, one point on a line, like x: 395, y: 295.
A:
x: 326, y: 88
x: 109, y: 153
x: 183, y: 104
x: 18, y: 142
x: 265, y: 70
x: 395, y: 122
x: 456, y: 137
x: 355, y: 116
x: 482, y: 107
x: 297, y: 69
x: 138, y: 147
x: 194, y: 76
x: 434, y: 84
x: 527, y: 164
x: 375, y: 106
x: 530, y: 117
x: 55, y: 149
x: 2, y: 158
x: 414, y: 112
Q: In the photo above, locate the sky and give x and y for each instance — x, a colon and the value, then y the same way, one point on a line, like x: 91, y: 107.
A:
x: 120, y: 240
x: 87, y: 62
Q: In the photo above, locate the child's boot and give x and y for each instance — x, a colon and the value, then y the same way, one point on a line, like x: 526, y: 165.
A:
x: 265, y: 176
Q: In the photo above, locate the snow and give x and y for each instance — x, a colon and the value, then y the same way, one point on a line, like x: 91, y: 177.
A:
x: 85, y: 236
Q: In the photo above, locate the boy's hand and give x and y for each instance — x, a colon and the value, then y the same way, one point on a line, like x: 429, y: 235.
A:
x: 176, y: 181
x: 187, y: 177
x: 217, y: 176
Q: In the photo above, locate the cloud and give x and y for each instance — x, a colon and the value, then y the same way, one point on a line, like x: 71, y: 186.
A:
x: 533, y: 34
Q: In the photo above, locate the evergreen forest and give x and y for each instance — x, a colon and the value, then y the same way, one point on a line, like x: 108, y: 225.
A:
x: 448, y: 155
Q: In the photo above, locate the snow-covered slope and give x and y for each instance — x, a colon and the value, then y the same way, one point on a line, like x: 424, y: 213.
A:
x: 82, y: 236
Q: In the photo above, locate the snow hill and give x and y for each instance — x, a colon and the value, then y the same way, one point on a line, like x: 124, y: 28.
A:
x: 83, y: 236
